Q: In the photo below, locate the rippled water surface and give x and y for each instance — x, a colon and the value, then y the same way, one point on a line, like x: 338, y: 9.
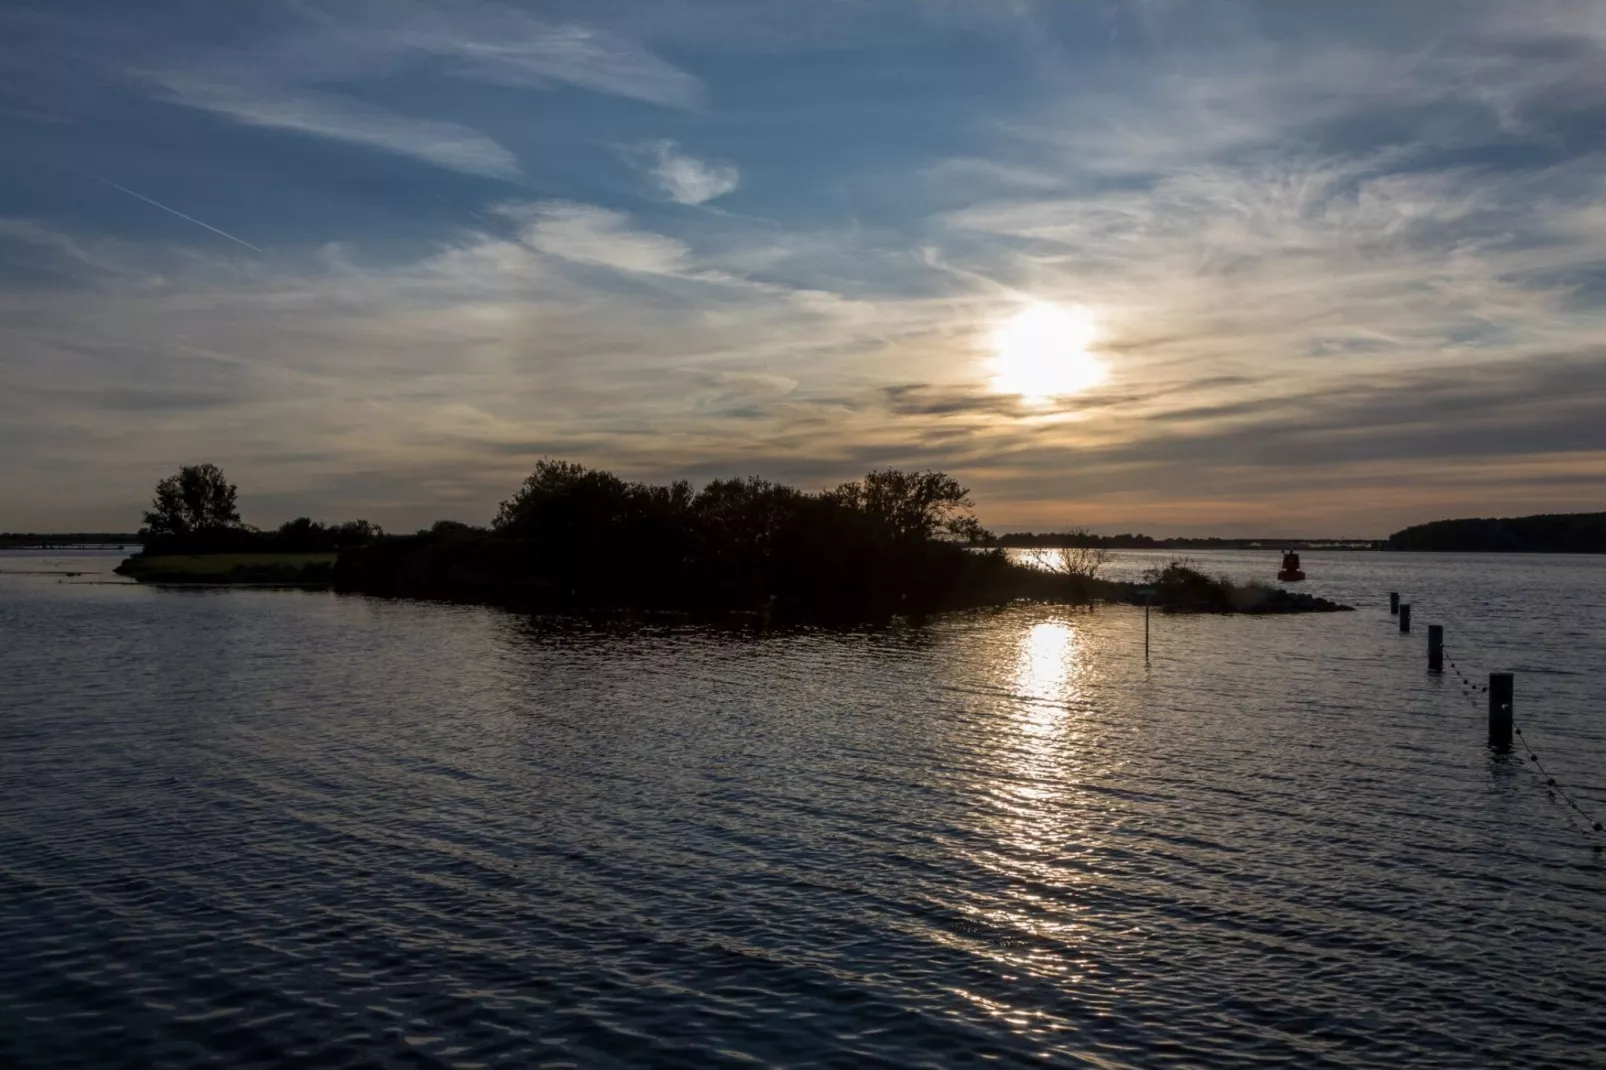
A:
x: 268, y: 828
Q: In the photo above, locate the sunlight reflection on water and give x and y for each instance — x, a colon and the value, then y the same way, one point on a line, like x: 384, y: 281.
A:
x: 1046, y: 665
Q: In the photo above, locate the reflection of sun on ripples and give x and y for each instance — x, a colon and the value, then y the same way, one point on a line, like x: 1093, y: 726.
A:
x: 1047, y: 676
x: 1037, y: 745
x: 1043, y: 672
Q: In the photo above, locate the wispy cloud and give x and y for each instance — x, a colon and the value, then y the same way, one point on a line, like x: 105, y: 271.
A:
x: 682, y: 177
x: 478, y: 357
x: 1346, y: 271
x: 325, y: 115
x: 507, y: 46
x: 283, y: 82
x: 593, y: 235
x: 492, y: 351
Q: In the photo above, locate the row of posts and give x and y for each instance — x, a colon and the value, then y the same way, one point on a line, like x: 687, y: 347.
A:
x: 1500, y: 683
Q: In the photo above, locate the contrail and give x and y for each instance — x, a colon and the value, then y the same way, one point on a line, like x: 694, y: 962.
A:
x: 165, y: 208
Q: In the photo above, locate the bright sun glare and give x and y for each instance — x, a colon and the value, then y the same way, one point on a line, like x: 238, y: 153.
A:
x: 1041, y: 352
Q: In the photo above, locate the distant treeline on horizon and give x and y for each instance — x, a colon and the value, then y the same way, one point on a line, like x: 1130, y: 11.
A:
x: 1545, y: 533
x: 35, y: 539
x: 1050, y: 540
x: 1562, y: 533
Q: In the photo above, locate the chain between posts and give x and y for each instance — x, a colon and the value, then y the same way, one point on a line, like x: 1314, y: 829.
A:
x: 1470, y: 691
x: 1556, y: 789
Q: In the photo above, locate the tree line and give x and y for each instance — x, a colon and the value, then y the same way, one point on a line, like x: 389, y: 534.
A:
x: 573, y: 537
x: 195, y: 511
x: 1081, y: 537
x: 1548, y: 533
x: 33, y: 540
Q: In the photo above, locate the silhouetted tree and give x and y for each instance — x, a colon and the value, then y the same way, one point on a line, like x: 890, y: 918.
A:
x: 196, y: 498
x: 1080, y: 560
x: 301, y: 535
x: 353, y: 533
x: 913, y: 505
x: 562, y: 501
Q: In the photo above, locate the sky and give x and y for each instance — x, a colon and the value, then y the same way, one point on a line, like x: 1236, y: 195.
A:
x: 1276, y: 268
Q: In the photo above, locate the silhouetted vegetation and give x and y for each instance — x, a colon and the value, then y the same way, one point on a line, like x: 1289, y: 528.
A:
x: 195, y: 512
x: 894, y: 543
x: 195, y: 499
x: 288, y: 569
x: 1547, y: 533
x: 575, y: 538
x: 299, y: 536
x: 1180, y: 588
x: 304, y: 536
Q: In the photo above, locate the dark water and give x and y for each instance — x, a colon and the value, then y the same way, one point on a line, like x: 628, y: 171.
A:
x: 257, y: 828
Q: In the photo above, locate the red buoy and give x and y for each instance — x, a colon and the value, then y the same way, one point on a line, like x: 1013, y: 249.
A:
x: 1290, y: 570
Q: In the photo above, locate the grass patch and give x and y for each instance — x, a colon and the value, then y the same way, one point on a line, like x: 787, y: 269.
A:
x: 230, y: 568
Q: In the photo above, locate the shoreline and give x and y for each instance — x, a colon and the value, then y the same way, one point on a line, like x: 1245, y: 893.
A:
x: 997, y: 582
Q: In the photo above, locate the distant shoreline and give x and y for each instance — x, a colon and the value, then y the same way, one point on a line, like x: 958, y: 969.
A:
x: 70, y: 540
x: 125, y: 547
x: 1543, y: 533
x: 1173, y: 589
x: 1027, y: 540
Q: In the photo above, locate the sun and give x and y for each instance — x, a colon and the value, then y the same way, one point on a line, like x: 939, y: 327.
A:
x: 1041, y: 352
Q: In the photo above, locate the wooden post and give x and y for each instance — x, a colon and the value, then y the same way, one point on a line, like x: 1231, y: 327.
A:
x: 1500, y: 697
x: 1148, y: 599
x: 1405, y: 617
x: 1394, y: 603
x: 1435, y: 648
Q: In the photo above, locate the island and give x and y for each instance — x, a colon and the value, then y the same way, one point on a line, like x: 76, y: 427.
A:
x: 572, y: 539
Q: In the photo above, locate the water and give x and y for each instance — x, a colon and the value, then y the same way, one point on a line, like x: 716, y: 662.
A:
x: 265, y: 828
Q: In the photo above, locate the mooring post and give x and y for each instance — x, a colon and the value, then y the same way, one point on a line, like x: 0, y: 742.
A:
x: 1500, y: 696
x: 1394, y: 603
x: 1405, y: 617
x: 1435, y: 648
x: 1148, y: 598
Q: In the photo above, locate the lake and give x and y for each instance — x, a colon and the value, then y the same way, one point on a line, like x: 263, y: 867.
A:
x: 266, y: 828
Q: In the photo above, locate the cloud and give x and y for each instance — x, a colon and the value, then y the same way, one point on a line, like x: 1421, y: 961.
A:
x: 686, y: 179
x: 592, y: 235
x: 1346, y: 273
x: 1352, y: 260
x: 67, y: 257
x: 506, y: 46
x: 447, y: 144
x: 454, y: 365
x: 272, y: 84
x: 920, y: 399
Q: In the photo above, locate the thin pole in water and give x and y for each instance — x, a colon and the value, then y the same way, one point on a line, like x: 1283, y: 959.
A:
x: 1405, y: 617
x: 1435, y: 648
x: 1394, y: 603
x: 1146, y: 600
x: 1500, y: 718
